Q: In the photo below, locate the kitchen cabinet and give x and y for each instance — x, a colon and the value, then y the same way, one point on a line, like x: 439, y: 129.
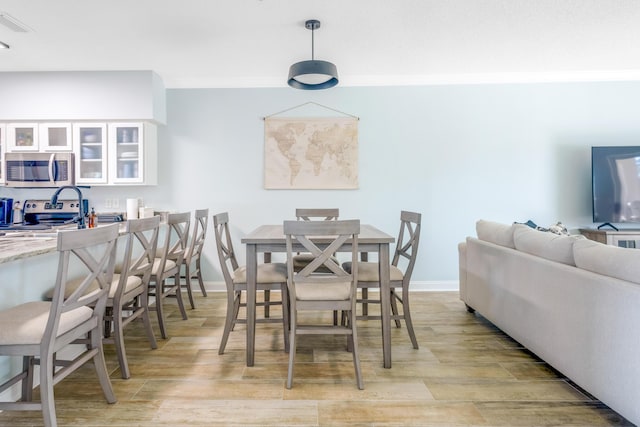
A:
x: 22, y: 137
x: 132, y: 153
x: 90, y: 147
x: 55, y: 137
x: 3, y: 146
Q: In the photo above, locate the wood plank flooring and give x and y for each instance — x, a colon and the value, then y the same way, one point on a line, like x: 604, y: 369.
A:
x: 466, y: 373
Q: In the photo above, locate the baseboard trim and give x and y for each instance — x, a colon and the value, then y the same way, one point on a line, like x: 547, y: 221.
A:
x: 422, y: 285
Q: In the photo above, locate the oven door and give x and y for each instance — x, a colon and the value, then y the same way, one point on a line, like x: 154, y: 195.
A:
x: 39, y: 169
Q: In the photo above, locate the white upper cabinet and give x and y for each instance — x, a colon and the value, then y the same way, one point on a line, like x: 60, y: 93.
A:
x: 3, y: 147
x: 90, y: 147
x: 22, y: 137
x: 133, y: 153
x: 55, y: 137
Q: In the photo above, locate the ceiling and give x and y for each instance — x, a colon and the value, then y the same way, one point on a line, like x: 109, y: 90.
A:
x: 252, y: 43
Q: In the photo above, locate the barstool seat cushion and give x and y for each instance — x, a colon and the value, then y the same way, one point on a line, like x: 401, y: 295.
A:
x: 168, y: 265
x: 26, y: 323
x: 340, y: 291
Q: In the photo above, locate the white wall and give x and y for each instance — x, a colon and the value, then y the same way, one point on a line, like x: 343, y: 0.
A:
x: 456, y: 153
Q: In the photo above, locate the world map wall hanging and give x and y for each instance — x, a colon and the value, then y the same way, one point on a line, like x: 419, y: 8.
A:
x: 311, y: 153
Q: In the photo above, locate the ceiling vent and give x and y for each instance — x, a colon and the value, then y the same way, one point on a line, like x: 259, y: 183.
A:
x: 13, y: 24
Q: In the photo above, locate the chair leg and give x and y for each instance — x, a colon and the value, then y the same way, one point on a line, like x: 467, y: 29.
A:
x: 187, y: 279
x: 101, y: 366
x: 46, y: 391
x: 285, y: 315
x: 159, y: 290
x: 178, y: 292
x: 354, y: 346
x: 229, y: 319
x: 292, y: 348
x: 407, y: 316
x: 267, y: 299
x: 143, y: 301
x: 365, y: 304
x: 199, y: 275
x: 27, y: 382
x: 394, y: 307
x: 119, y: 342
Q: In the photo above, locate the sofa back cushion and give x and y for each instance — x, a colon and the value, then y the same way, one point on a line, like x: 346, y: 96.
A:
x: 621, y: 263
x: 495, y: 232
x: 553, y: 247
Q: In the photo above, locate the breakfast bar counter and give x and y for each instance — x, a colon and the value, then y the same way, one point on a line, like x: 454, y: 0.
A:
x: 16, y: 247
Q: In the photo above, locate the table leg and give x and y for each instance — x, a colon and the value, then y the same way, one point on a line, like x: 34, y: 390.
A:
x: 385, y: 302
x: 252, y: 272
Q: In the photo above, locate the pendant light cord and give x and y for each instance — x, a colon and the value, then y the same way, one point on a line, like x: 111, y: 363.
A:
x: 313, y: 30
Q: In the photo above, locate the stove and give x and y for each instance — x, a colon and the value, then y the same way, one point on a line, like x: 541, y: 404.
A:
x: 43, y: 213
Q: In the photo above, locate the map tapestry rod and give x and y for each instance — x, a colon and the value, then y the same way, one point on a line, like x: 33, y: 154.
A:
x: 310, y: 103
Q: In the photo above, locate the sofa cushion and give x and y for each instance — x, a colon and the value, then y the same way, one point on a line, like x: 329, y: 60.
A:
x: 621, y: 263
x: 546, y: 245
x: 495, y: 232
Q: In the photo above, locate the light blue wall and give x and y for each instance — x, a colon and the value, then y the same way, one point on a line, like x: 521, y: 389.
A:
x: 456, y: 153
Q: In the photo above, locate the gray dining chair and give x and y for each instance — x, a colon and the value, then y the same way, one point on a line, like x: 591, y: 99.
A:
x: 311, y: 290
x: 271, y: 276
x: 166, y: 267
x: 191, y: 260
x: 128, y: 296
x: 39, y: 330
x: 400, y: 273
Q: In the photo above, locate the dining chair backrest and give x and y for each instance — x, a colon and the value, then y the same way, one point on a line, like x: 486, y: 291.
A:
x: 226, y: 255
x: 176, y: 237
x: 198, y: 234
x: 310, y: 214
x: 140, y: 250
x: 336, y: 233
x: 408, y: 240
x: 78, y: 248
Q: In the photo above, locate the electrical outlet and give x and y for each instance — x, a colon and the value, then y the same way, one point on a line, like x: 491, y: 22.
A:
x: 115, y: 203
x: 108, y: 203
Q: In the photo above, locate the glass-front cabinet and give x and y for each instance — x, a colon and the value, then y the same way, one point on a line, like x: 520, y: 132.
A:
x: 3, y: 147
x: 22, y: 137
x: 90, y: 146
x: 132, y: 150
x: 55, y: 137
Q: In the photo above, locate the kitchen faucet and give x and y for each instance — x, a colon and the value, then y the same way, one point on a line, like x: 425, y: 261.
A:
x: 80, y: 218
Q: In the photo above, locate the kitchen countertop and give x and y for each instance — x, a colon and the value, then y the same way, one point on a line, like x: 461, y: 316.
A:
x: 17, y: 247
x: 20, y: 244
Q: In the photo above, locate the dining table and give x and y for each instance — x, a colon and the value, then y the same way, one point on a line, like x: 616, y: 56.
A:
x: 269, y: 239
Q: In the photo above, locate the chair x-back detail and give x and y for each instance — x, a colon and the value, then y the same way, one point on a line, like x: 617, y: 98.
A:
x: 194, y: 252
x: 167, y: 266
x: 404, y: 258
x: 311, y: 290
x: 39, y: 330
x: 271, y: 276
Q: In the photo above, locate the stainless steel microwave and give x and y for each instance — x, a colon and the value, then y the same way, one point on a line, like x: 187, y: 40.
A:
x: 39, y: 169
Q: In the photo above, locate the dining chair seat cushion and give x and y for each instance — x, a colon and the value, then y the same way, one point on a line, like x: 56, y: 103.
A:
x: 169, y: 265
x: 132, y: 283
x: 26, y: 323
x: 368, y: 272
x: 339, y: 291
x: 271, y: 272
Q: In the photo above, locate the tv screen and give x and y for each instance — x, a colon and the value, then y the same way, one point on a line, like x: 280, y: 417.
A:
x: 615, y: 184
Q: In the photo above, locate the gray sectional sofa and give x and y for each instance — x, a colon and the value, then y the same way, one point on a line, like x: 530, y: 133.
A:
x: 573, y: 302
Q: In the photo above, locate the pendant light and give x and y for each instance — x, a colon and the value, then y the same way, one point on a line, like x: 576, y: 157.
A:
x: 313, y: 75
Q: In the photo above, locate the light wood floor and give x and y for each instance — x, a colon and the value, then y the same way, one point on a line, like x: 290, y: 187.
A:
x: 466, y: 373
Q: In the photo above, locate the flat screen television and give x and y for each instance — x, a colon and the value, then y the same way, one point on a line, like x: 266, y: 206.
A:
x: 615, y: 184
